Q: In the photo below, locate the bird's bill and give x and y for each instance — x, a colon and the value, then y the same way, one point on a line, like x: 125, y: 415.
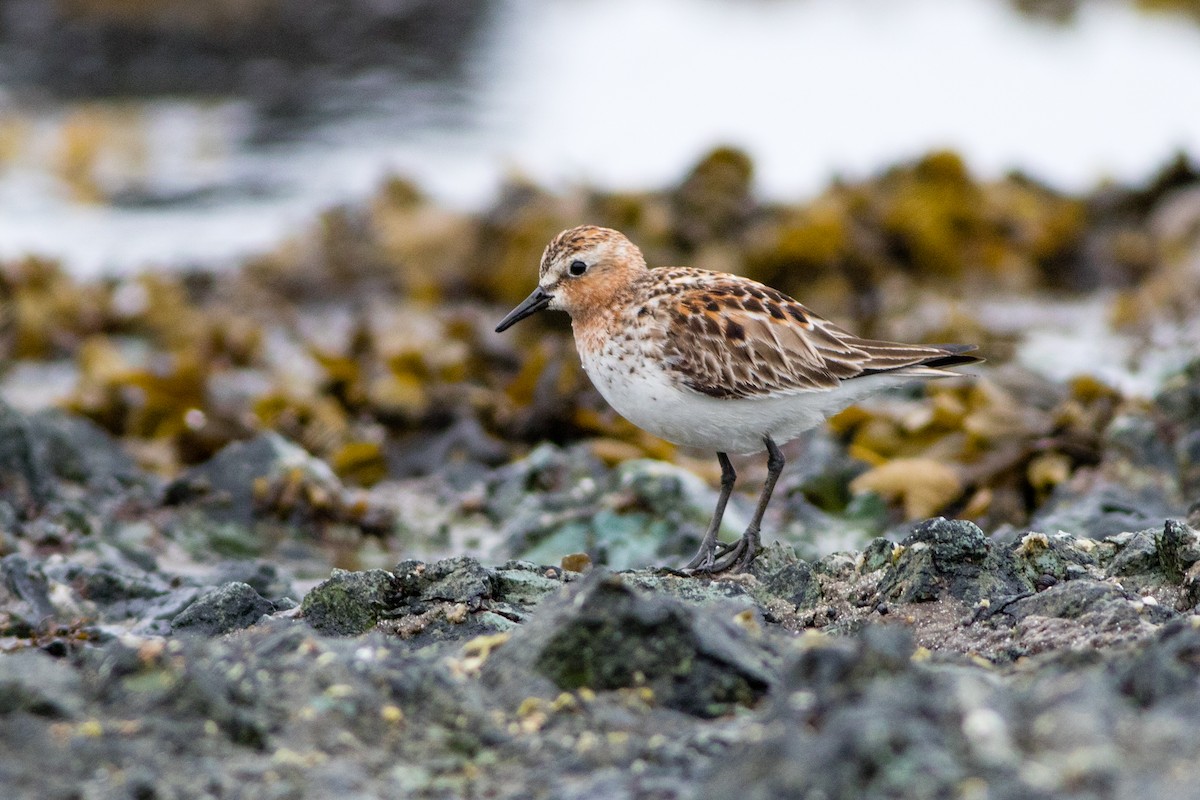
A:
x: 529, y: 306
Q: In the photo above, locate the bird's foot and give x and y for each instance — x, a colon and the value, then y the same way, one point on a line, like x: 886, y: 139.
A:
x: 702, y: 562
x: 721, y: 557
x: 740, y: 554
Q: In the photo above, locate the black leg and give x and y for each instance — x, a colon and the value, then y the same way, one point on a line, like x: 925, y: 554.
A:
x: 703, y: 560
x: 746, y: 548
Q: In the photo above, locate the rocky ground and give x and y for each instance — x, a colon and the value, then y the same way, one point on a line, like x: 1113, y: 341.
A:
x: 185, y: 638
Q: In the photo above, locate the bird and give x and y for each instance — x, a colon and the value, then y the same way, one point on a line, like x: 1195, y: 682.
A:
x: 713, y: 360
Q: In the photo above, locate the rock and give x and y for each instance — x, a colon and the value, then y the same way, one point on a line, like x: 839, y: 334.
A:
x: 794, y: 583
x: 821, y: 478
x: 1068, y: 600
x: 551, y: 476
x: 115, y: 586
x: 458, y: 452
x: 120, y: 595
x: 856, y: 718
x: 50, y: 455
x: 263, y: 576
x: 27, y: 582
x: 837, y: 565
x: 9, y: 523
x: 859, y: 718
x: 449, y: 600
x: 949, y: 558
x: 348, y: 603
x: 950, y: 541
x: 1178, y: 548
x: 544, y: 503
x: 1101, y: 508
x: 524, y: 584
x: 837, y: 669
x: 561, y: 501
x: 226, y: 608
x: 456, y: 599
x: 878, y: 554
x: 1138, y: 439
x: 1179, y: 397
x: 1059, y: 556
x: 35, y: 683
x: 452, y: 580
x: 1138, y: 554
x: 1166, y: 669
x: 224, y: 487
x: 154, y: 616
x: 726, y: 592
x: 605, y: 635
x: 206, y: 537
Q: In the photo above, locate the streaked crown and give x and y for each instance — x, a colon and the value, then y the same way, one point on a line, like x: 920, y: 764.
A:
x: 590, y: 244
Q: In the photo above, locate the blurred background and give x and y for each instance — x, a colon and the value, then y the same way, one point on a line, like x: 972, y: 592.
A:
x: 304, y: 217
x: 153, y: 132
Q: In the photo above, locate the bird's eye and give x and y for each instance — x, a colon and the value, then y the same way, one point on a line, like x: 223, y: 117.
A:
x: 577, y: 268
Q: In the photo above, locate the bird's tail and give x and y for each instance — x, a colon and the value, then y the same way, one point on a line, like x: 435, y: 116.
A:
x: 918, y: 361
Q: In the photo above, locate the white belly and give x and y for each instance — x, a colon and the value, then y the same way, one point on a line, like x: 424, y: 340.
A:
x: 650, y: 399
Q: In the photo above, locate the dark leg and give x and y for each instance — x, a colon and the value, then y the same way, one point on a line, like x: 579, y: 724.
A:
x: 746, y: 548
x: 703, y: 560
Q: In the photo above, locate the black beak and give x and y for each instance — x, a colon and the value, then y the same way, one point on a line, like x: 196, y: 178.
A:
x: 529, y: 306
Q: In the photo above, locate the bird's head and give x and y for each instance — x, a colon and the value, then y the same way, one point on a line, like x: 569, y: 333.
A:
x: 583, y: 269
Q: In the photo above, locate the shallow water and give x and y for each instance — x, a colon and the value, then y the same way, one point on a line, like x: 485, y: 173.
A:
x: 621, y: 93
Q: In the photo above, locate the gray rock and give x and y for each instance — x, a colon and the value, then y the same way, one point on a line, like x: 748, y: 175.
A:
x: 525, y: 585
x: 839, y: 565
x: 49, y: 455
x: 223, y: 486
x: 226, y: 608
x: 154, y: 615
x: 1138, y: 439
x: 1058, y: 556
x: 205, y: 536
x: 950, y: 558
x: 1178, y: 546
x: 264, y: 577
x: 108, y: 584
x: 1179, y: 397
x: 855, y: 718
x: 605, y: 635
x: 821, y: 477
x: 35, y: 683
x: 1166, y: 669
x: 28, y: 583
x: 8, y: 528
x: 348, y: 603
x: 451, y: 580
x: 1068, y: 600
x: 1138, y: 555
x: 723, y: 591
x: 561, y: 501
x: 555, y: 477
x: 878, y: 554
x: 794, y: 583
x: 1105, y: 509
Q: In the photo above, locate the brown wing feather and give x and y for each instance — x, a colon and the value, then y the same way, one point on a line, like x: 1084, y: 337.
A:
x: 730, y: 337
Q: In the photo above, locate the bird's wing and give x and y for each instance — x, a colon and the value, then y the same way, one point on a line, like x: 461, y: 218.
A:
x: 731, y: 337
